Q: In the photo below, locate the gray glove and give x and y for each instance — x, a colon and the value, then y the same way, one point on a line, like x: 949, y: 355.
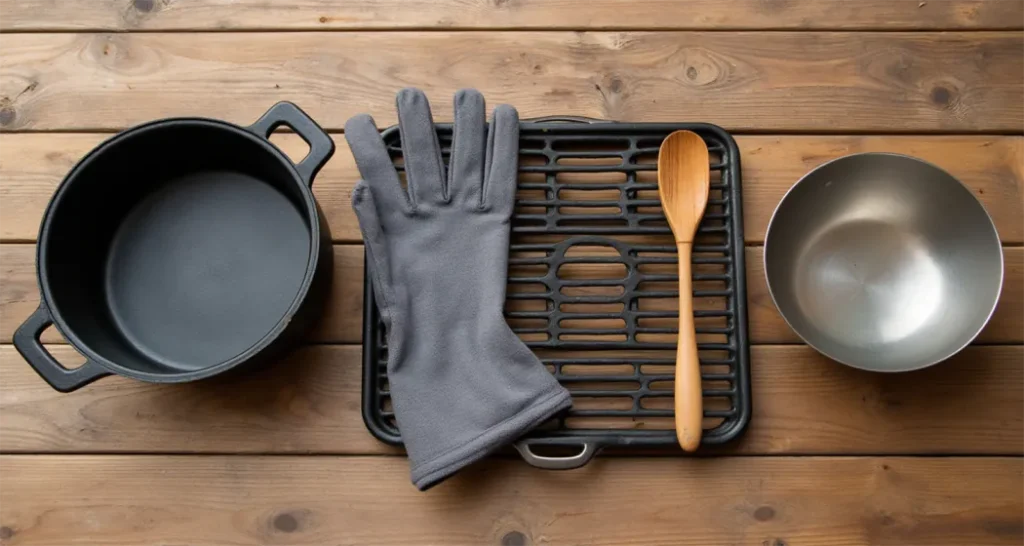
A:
x: 462, y: 383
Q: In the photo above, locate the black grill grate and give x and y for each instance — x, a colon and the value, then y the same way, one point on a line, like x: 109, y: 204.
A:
x: 593, y: 285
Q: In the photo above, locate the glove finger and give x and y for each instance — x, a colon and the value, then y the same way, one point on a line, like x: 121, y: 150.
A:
x: 502, y: 160
x: 424, y: 167
x: 375, y: 164
x: 466, y: 168
x: 365, y: 206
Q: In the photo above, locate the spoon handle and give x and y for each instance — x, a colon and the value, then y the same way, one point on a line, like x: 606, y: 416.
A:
x: 688, y: 395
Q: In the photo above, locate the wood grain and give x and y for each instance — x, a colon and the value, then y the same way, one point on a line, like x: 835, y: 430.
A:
x: 806, y: 403
x: 32, y: 165
x: 110, y: 501
x: 310, y: 403
x: 38, y: 15
x: 342, y: 320
x: 791, y: 81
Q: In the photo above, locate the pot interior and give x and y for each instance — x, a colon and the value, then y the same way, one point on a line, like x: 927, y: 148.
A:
x: 176, y: 248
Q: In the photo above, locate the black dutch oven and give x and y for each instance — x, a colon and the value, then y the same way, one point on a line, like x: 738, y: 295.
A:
x: 181, y: 249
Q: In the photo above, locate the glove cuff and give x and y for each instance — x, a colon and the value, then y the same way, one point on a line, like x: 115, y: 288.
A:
x: 546, y: 405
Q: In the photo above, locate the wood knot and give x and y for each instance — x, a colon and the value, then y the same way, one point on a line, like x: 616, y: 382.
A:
x: 6, y: 533
x: 7, y: 115
x: 700, y: 67
x: 615, y: 85
x: 145, y: 6
x: 941, y: 96
x: 764, y: 513
x: 902, y: 69
x: 286, y: 523
x: 324, y: 19
x: 513, y: 538
x: 122, y: 54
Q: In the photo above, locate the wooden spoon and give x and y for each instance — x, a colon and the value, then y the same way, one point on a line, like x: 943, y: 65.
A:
x: 684, y: 180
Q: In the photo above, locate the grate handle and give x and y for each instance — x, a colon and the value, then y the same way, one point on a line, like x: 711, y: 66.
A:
x: 587, y: 452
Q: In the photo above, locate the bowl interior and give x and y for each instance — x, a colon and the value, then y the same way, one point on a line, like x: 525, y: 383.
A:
x: 883, y: 262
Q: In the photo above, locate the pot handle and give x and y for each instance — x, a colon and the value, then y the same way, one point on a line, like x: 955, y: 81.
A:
x: 26, y: 341
x: 321, y: 147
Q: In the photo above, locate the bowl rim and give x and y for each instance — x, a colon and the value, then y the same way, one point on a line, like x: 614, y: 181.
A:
x: 859, y: 366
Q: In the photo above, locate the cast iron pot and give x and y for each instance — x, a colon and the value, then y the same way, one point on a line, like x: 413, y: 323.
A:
x: 181, y: 249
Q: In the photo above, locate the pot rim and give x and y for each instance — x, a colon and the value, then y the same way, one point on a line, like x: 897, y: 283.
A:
x: 859, y: 366
x: 311, y: 212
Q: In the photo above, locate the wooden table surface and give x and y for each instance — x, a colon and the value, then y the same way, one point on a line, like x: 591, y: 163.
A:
x: 832, y: 456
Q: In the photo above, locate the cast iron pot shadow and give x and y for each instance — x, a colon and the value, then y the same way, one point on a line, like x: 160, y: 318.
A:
x: 182, y: 249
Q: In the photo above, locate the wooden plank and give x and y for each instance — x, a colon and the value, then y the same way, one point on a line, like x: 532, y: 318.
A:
x: 36, y: 15
x: 32, y: 165
x: 791, y: 81
x: 19, y: 290
x: 342, y: 321
x: 806, y: 403
x: 117, y: 500
x: 310, y: 403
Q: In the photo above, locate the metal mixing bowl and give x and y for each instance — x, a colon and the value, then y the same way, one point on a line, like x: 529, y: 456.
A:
x: 883, y: 262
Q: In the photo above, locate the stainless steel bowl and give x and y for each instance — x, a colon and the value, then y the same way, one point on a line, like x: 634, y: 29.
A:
x: 883, y: 262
